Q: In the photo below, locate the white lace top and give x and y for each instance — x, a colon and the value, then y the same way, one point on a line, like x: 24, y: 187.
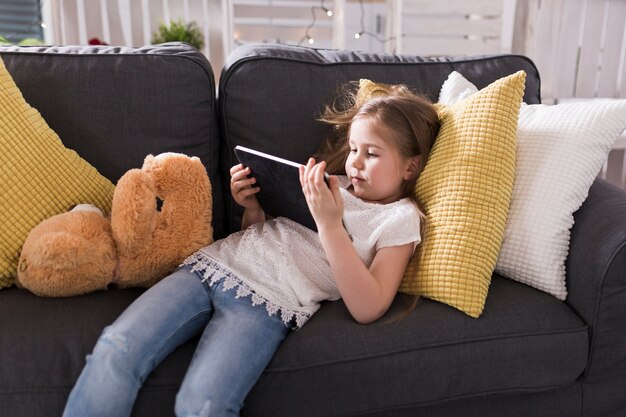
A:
x: 281, y: 264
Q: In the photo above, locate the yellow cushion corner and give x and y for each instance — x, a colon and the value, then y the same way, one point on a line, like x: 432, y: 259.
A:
x: 39, y: 177
x: 466, y: 189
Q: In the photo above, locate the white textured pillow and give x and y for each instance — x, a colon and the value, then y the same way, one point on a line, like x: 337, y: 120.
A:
x: 560, y: 150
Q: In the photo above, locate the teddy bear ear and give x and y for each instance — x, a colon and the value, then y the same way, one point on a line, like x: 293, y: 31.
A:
x: 149, y: 160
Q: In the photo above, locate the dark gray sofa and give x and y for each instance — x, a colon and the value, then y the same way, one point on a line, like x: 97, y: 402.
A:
x: 527, y: 355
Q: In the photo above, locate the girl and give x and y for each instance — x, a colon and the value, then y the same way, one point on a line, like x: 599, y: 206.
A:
x: 245, y: 292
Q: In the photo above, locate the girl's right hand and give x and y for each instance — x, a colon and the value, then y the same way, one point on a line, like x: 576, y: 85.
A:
x: 242, y: 188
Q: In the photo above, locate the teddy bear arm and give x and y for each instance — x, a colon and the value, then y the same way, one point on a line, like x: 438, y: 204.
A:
x: 182, y: 227
x: 134, y: 212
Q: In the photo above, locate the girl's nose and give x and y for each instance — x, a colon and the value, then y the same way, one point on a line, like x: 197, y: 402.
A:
x: 357, y: 162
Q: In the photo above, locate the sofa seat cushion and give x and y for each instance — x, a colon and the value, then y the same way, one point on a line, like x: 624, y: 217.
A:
x: 334, y: 366
x: 44, y: 343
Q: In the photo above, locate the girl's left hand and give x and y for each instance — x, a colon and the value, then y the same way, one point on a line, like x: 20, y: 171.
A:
x: 325, y: 202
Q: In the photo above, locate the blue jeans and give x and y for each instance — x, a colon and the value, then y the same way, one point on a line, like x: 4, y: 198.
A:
x: 238, y: 340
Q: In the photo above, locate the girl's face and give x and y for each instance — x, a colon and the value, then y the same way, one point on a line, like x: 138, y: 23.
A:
x: 374, y: 165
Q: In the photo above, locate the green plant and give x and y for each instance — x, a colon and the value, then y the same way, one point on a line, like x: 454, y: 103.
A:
x: 23, y: 42
x: 179, y: 31
x: 30, y: 42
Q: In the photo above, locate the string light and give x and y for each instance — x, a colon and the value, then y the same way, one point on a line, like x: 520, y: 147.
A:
x: 307, y: 35
x: 357, y: 35
x: 328, y: 12
x: 362, y: 31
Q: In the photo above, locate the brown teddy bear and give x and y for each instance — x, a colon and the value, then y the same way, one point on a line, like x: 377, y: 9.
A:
x: 82, y: 251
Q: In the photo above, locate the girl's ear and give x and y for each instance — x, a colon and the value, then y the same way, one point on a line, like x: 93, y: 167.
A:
x: 412, y: 170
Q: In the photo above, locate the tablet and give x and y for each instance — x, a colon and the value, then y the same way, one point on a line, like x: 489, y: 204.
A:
x: 279, y: 179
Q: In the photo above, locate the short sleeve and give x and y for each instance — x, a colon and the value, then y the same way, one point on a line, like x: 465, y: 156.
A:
x: 399, y: 226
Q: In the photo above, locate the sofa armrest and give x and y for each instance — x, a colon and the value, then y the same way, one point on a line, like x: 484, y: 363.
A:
x: 596, y: 278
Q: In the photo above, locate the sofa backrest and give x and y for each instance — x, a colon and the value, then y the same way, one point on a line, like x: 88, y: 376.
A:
x: 116, y: 105
x: 270, y: 95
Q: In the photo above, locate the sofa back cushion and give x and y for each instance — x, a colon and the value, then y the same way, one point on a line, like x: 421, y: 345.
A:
x: 115, y: 105
x: 271, y: 95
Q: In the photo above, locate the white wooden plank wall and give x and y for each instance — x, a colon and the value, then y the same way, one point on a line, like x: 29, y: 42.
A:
x: 579, y: 47
x: 452, y: 27
x: 120, y: 22
x: 296, y: 22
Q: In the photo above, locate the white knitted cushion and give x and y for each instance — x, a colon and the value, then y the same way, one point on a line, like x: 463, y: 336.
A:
x: 560, y: 150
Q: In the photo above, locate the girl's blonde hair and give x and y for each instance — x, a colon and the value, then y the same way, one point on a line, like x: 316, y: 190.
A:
x: 410, y: 119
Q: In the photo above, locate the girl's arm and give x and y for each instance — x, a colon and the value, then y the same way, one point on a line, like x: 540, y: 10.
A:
x: 367, y: 293
x: 243, y: 191
x: 252, y: 216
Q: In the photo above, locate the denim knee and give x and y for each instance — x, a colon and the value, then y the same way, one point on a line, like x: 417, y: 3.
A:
x: 197, y: 404
x: 189, y: 406
x: 112, y: 353
x: 182, y: 410
x: 108, y: 384
x: 115, y: 342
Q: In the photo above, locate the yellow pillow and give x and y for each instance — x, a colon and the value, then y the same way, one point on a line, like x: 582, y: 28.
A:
x: 466, y: 188
x: 369, y: 89
x: 39, y: 177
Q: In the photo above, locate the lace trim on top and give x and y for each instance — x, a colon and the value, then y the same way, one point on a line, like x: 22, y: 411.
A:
x: 213, y: 272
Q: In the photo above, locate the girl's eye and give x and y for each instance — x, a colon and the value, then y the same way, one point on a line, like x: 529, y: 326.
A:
x: 371, y: 155
x: 352, y: 150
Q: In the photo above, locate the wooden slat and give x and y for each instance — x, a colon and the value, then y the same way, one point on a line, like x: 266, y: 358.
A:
x: 280, y: 3
x: 509, y: 8
x: 430, y: 7
x: 390, y: 21
x: 590, y: 49
x: 166, y: 12
x: 397, y: 12
x: 206, y: 26
x: 275, y: 22
x: 186, y: 10
x: 265, y: 33
x: 106, y: 24
x: 228, y: 29
x: 291, y: 12
x: 145, y: 22
x: 62, y: 22
x: 451, y: 46
x: 82, y: 22
x: 48, y: 18
x: 124, y: 11
x: 339, y: 25
x: 542, y: 35
x: 450, y: 26
x: 614, y: 48
x: 565, y: 56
